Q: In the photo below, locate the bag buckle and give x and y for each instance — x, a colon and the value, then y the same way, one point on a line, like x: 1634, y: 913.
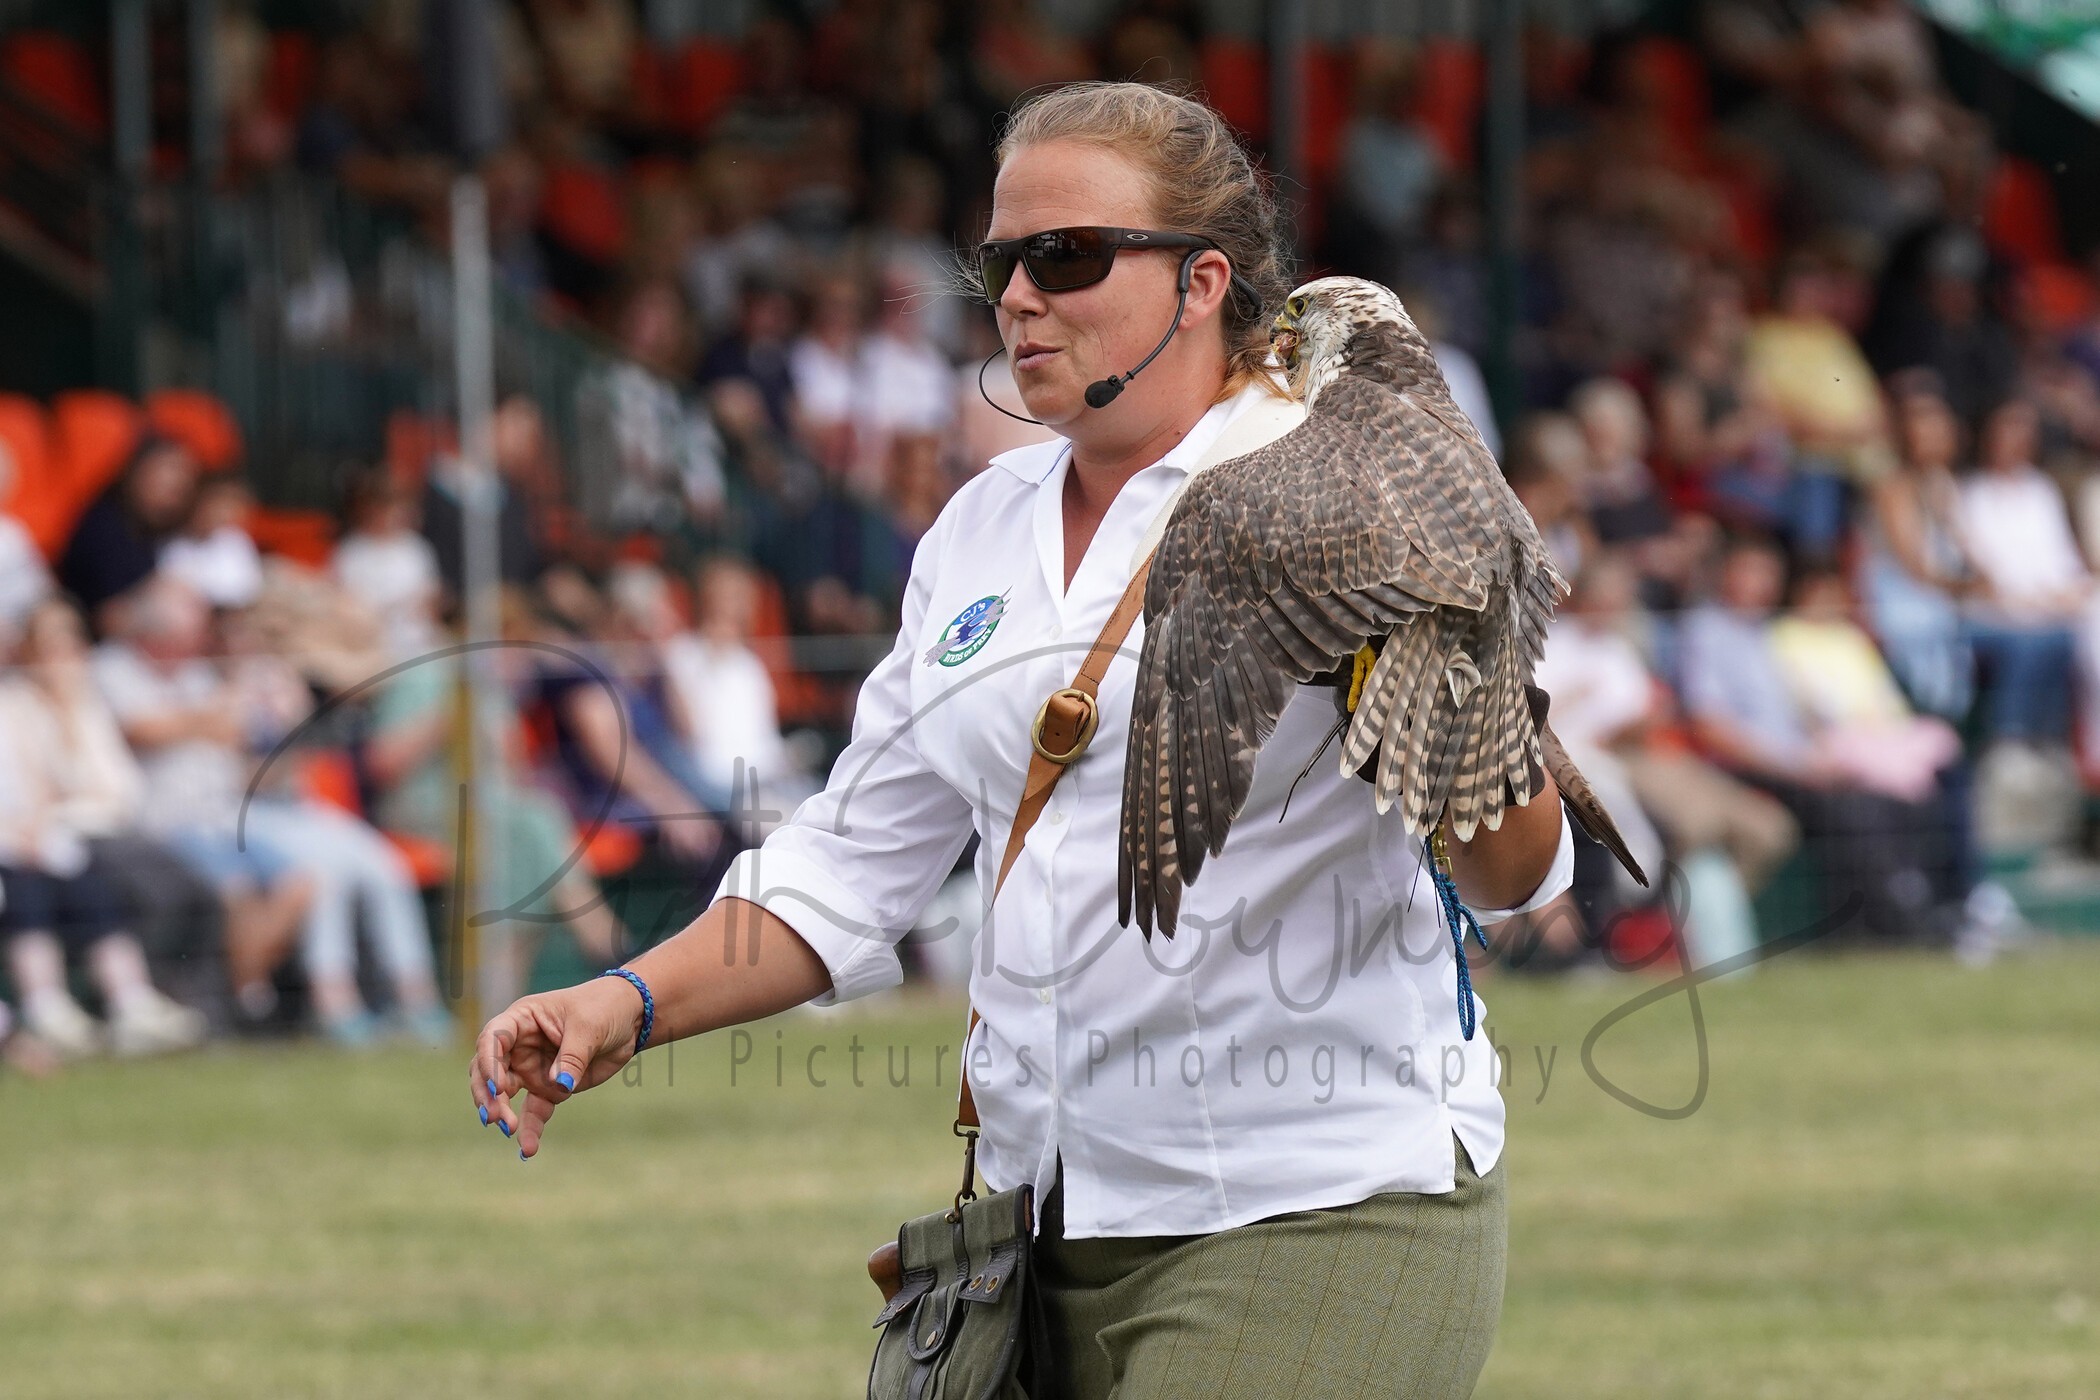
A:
x: 1080, y: 724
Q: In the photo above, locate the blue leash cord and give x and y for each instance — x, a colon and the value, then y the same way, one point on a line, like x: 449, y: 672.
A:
x: 1458, y: 919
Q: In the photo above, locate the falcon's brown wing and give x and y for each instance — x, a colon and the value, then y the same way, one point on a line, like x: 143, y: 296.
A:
x: 1381, y: 513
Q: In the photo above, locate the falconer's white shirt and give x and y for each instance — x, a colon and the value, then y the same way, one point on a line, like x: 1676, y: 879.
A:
x: 1295, y: 1045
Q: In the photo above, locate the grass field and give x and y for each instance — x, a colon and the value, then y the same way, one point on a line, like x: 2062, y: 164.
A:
x: 1891, y: 1189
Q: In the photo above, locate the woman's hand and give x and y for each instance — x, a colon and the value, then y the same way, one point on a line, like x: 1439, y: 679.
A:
x: 553, y: 1046
x: 556, y: 1045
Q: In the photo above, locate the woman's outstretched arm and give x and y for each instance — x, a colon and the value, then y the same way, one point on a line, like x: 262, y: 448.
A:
x: 734, y: 963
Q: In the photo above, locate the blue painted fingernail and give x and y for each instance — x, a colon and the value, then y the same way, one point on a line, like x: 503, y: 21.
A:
x: 521, y: 1155
x: 505, y: 1127
x: 492, y: 1089
x: 566, y: 1080
x: 484, y: 1116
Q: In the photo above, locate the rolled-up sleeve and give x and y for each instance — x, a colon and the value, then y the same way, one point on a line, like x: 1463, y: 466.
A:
x: 854, y: 867
x: 1560, y: 877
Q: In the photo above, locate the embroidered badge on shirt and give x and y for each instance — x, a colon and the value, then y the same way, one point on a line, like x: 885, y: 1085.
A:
x: 966, y: 636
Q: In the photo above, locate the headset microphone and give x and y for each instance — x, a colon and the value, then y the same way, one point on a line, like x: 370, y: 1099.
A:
x: 1102, y: 392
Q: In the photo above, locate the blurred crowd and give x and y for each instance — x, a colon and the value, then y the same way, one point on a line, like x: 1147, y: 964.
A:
x: 1805, y: 398
x: 1809, y: 420
x: 229, y: 777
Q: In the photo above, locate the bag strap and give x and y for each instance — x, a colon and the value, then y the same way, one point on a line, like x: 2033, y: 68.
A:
x: 1063, y: 728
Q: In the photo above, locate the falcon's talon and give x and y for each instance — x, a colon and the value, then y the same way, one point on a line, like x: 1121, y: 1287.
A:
x: 1359, y: 667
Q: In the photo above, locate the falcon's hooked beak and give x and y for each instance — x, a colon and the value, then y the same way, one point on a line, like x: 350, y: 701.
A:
x: 1287, y: 336
x: 1283, y: 334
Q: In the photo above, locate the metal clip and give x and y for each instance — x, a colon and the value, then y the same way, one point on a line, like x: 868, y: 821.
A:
x: 969, y: 1181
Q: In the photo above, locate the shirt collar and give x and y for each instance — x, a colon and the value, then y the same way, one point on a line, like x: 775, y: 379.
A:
x: 1033, y: 463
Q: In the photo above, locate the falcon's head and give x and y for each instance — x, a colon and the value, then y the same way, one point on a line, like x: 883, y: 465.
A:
x: 1346, y: 325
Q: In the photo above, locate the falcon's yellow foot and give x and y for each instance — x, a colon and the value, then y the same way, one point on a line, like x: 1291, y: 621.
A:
x: 1361, y: 667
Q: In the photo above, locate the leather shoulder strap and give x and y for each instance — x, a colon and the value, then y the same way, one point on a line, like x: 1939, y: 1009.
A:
x: 1061, y: 733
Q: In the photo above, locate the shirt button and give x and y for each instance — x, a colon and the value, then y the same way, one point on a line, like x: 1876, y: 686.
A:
x: 1057, y: 819
x: 1056, y: 630
x: 1042, y: 994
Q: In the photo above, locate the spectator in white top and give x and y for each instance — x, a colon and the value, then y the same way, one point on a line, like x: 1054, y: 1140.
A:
x: 724, y: 694
x: 62, y: 902
x: 913, y: 239
x: 172, y: 710
x: 95, y: 789
x: 1603, y: 694
x: 214, y: 554
x: 824, y: 365
x: 193, y: 728
x: 385, y: 563
x: 906, y: 384
x: 2017, y: 534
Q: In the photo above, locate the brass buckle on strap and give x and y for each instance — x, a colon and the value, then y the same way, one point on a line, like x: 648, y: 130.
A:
x: 1090, y: 720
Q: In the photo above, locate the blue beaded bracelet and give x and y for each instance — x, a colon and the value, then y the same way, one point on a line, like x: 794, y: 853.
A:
x: 641, y: 1037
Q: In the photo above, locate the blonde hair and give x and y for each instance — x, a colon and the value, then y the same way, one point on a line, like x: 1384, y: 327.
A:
x: 1202, y: 182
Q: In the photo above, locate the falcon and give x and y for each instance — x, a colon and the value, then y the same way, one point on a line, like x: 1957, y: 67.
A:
x: 1376, y: 546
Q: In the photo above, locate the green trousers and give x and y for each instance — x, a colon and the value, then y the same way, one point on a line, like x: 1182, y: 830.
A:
x: 1394, y: 1297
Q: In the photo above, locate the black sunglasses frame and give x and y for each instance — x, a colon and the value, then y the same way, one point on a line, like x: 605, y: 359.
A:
x: 1113, y: 241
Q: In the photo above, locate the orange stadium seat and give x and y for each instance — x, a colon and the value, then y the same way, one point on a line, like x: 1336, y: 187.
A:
x: 289, y: 83
x: 648, y: 86
x: 1671, y: 79
x: 1236, y: 82
x: 583, y: 211
x: 2057, y: 297
x: 2019, y: 213
x: 1448, y: 94
x: 329, y: 776
x: 200, y: 422
x: 93, y: 433
x: 611, y: 850
x: 702, y: 78
x: 798, y: 696
x: 25, y: 432
x: 303, y: 536
x: 59, y: 75
x: 1644, y: 938
x: 1326, y: 87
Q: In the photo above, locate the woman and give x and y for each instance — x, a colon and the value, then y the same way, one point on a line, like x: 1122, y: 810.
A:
x: 1914, y: 569
x: 2034, y: 582
x: 61, y: 897
x: 117, y: 541
x: 1200, y: 1118
x: 176, y: 914
x: 410, y: 757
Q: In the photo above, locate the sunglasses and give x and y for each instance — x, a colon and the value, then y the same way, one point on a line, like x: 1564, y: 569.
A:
x: 1066, y: 259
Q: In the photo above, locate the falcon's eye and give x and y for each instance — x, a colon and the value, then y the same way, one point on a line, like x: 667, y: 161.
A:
x: 1296, y: 306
